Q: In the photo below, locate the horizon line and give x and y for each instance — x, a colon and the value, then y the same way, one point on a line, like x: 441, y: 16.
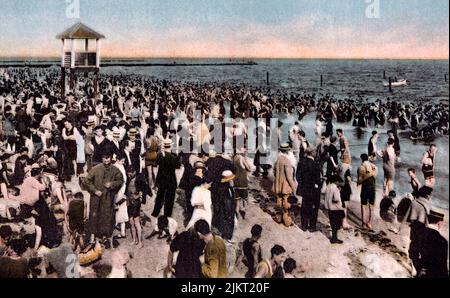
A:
x: 236, y: 58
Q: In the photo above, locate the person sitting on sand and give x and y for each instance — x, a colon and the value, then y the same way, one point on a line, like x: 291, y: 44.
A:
x: 289, y: 266
x: 267, y: 267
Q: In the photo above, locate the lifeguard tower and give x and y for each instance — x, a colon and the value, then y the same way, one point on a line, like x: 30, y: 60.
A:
x: 80, y: 54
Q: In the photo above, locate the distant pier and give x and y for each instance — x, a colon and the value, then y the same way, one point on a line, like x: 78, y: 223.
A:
x: 127, y: 63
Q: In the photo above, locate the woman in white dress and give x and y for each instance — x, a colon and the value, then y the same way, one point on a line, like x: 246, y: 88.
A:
x: 201, y: 201
x: 121, y: 201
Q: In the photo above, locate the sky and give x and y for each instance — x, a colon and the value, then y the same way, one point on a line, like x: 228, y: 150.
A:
x: 404, y: 29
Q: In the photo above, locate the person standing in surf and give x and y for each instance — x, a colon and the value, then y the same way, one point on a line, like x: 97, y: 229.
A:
x: 428, y: 162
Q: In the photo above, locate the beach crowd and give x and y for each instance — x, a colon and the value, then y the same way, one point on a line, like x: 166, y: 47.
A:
x: 76, y: 171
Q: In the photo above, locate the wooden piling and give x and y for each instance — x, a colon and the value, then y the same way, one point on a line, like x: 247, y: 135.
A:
x: 268, y: 79
x: 384, y: 74
x: 321, y: 80
x: 390, y: 84
x: 445, y: 77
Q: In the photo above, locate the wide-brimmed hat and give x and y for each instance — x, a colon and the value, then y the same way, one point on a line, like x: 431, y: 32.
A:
x: 227, y: 176
x: 90, y: 123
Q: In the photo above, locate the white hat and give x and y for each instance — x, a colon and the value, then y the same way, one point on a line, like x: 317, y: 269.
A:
x: 227, y: 176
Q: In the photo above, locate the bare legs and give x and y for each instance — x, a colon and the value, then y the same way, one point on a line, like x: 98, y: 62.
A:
x: 430, y: 182
x: 345, y: 224
x: 366, y: 216
x: 136, y: 231
x: 388, y: 186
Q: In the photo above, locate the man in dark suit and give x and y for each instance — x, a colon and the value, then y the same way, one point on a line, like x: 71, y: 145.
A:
x: 434, y: 253
x: 166, y: 180
x: 215, y: 167
x: 309, y: 183
x: 130, y: 160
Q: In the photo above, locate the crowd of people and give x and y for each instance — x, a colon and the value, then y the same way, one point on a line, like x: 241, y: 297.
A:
x: 76, y: 170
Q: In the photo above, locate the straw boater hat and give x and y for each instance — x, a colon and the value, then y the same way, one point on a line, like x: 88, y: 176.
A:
x: 132, y: 133
x: 227, y: 176
x: 116, y: 132
x: 285, y: 147
x: 199, y: 165
x: 167, y: 145
x: 90, y: 124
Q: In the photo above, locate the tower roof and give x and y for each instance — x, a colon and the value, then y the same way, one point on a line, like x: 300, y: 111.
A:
x: 80, y: 31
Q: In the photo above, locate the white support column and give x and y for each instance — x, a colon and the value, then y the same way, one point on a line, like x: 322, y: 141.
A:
x: 73, y: 54
x: 97, y: 51
x: 63, y: 52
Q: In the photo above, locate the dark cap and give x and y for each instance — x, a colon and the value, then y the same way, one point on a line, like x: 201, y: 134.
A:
x: 435, y: 216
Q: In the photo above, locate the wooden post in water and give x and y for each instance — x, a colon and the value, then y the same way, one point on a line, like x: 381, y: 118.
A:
x: 321, y: 80
x: 445, y: 77
x: 390, y: 84
x: 268, y: 81
x: 384, y: 74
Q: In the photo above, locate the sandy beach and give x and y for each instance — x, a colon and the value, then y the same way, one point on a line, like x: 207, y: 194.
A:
x: 364, y: 254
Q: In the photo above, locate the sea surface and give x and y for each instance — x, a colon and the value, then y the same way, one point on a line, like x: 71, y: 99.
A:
x: 342, y: 78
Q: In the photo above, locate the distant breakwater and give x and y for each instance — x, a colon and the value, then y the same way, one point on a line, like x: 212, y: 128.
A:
x: 131, y: 64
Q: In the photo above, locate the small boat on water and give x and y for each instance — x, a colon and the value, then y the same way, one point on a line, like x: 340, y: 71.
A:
x: 396, y: 84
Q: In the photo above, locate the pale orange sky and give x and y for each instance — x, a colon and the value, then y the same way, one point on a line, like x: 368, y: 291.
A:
x: 406, y: 29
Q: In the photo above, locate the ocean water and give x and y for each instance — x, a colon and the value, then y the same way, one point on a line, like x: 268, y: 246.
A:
x: 342, y: 79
